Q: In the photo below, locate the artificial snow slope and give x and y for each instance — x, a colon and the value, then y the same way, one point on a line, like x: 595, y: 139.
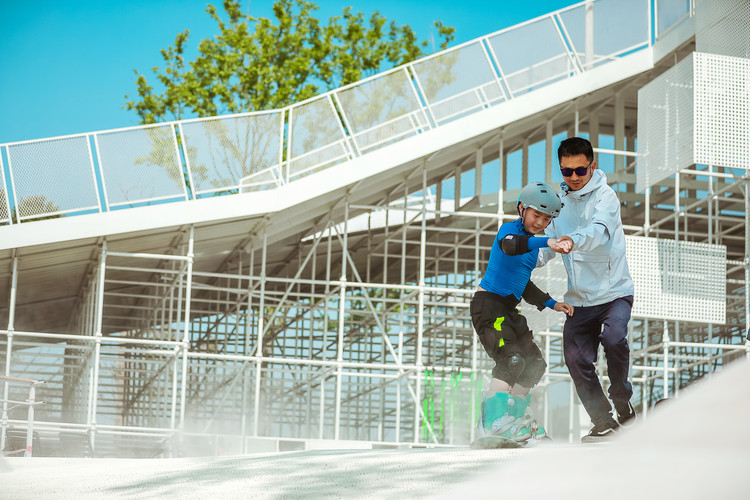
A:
x: 696, y: 446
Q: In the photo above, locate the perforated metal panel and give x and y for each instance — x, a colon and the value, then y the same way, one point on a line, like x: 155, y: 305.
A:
x: 682, y: 280
x: 722, y: 110
x: 223, y: 151
x: 458, y: 82
x: 315, y: 138
x: 140, y: 165
x: 723, y: 27
x: 665, y: 125
x: 52, y: 177
x: 382, y: 110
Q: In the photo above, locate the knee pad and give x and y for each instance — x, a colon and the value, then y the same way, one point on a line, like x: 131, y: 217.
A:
x: 534, y: 372
x: 516, y: 364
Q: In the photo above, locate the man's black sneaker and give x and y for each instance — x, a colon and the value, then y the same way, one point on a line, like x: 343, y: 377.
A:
x: 601, y: 433
x: 626, y: 415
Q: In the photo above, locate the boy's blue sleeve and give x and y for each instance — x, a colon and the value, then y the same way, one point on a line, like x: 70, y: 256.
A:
x: 538, y: 242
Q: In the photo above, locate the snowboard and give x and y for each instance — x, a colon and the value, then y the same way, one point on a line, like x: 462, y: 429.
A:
x: 490, y: 442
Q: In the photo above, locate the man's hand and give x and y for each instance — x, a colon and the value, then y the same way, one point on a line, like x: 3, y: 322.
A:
x: 563, y: 244
x: 564, y: 307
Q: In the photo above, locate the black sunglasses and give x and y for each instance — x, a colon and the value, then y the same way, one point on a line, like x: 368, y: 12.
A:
x: 580, y: 171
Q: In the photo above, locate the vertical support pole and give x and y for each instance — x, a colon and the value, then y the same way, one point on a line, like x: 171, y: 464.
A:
x: 676, y: 213
x: 619, y: 130
x: 647, y: 212
x: 665, y: 344
x: 246, y: 347
x: 478, y: 163
x: 525, y: 163
x: 589, y: 35
x: 456, y: 191
x: 175, y: 370
x: 98, y: 342
x: 30, y: 421
x: 420, y: 299
x: 747, y: 266
x: 676, y: 362
x: 711, y: 204
x: 571, y: 411
x: 548, y: 158
x: 9, y: 347
x: 342, y: 312
x: 261, y: 327
x: 594, y: 128
x: 547, y: 342
x: 501, y: 180
x: 186, y: 329
x: 644, y: 385
x: 474, y: 365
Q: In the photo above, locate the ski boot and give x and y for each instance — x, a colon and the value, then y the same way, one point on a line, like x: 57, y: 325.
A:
x: 498, y: 413
x: 524, y: 427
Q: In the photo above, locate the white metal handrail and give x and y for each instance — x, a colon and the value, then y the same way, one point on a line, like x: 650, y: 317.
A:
x: 31, y: 403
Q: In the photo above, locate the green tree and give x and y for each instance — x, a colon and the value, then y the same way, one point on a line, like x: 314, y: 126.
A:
x: 258, y: 64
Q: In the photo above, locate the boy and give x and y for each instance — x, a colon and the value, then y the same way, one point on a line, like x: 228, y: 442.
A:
x: 504, y: 333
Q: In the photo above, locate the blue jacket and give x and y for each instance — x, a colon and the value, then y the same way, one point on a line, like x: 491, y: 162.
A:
x: 511, y: 274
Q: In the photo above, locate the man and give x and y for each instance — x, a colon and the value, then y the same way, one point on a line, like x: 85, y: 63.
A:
x: 599, y: 287
x: 503, y: 332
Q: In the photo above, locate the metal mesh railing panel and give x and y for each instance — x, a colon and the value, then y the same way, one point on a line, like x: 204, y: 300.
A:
x: 681, y: 280
x: 665, y: 125
x: 542, y: 62
x: 316, y: 138
x: 223, y: 151
x: 381, y: 109
x: 458, y: 81
x: 4, y: 207
x: 670, y: 13
x: 722, y: 110
x: 618, y: 26
x: 52, y: 177
x: 140, y: 165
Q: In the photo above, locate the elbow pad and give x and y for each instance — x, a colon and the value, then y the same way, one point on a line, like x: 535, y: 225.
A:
x: 514, y: 244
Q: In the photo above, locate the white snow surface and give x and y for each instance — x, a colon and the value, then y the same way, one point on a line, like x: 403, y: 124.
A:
x: 696, y: 446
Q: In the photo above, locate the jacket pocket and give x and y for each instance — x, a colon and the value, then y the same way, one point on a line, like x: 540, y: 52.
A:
x: 593, y: 274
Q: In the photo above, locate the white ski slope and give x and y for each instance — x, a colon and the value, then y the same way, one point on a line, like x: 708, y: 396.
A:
x: 697, y: 446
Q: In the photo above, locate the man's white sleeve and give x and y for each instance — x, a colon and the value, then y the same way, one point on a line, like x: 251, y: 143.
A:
x: 545, y: 255
x: 599, y: 230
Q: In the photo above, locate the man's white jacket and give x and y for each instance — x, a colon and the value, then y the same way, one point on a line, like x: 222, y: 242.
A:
x: 597, y: 269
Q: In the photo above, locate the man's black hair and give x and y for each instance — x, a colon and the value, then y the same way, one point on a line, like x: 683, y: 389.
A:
x: 573, y: 146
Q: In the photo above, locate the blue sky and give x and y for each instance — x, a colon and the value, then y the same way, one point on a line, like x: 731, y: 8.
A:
x: 67, y: 65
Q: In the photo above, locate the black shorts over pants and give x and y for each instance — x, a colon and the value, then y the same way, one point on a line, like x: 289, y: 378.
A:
x: 503, y: 332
